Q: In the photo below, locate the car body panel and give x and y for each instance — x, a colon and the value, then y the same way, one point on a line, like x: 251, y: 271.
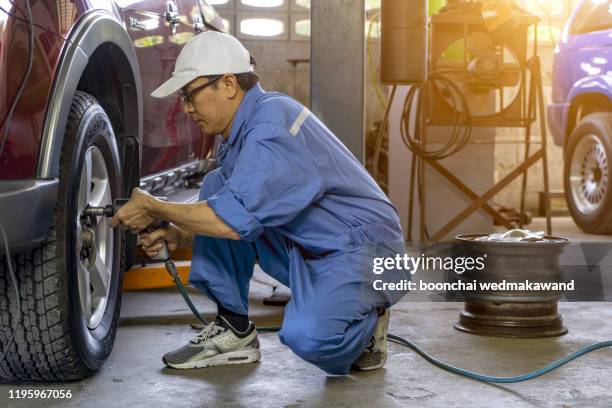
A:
x: 94, y: 29
x: 582, y: 65
x: 27, y: 211
x: 169, y: 139
x: 66, y: 34
x: 18, y: 160
x: 556, y: 115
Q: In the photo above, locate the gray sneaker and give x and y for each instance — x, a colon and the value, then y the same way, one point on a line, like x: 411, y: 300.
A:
x: 375, y: 355
x: 217, y: 344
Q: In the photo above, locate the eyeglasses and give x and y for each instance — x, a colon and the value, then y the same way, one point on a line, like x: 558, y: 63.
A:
x: 187, y: 97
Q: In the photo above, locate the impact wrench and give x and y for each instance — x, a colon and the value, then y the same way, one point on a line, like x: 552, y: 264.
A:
x: 164, y: 256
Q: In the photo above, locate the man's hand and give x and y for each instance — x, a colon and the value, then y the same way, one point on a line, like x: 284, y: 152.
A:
x: 136, y: 213
x: 173, y: 235
x: 194, y: 218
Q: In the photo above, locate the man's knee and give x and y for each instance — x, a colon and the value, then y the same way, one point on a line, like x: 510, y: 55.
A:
x: 212, y: 184
x: 305, y: 337
x: 323, y: 349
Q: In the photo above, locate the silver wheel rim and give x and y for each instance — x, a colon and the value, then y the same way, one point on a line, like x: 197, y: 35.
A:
x: 589, y: 181
x: 94, y: 239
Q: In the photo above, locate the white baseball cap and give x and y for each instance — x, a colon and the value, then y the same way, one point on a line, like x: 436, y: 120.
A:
x: 208, y: 53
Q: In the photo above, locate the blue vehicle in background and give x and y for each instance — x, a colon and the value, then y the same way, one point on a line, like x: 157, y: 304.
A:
x: 580, y: 113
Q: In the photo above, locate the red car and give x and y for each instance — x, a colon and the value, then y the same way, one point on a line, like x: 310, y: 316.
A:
x: 79, y: 128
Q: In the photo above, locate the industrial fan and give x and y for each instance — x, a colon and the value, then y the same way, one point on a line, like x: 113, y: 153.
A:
x: 486, y: 60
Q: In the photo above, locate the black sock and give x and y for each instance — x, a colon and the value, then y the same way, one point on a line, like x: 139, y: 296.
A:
x: 240, y: 323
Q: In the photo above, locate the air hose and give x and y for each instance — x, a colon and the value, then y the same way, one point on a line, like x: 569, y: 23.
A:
x: 407, y: 343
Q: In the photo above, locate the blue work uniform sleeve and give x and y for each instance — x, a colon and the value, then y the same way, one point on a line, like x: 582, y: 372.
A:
x: 274, y: 179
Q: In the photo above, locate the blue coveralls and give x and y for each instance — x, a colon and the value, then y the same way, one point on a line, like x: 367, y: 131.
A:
x: 306, y: 210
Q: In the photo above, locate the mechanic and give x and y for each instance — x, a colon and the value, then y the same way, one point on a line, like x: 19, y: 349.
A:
x: 287, y: 194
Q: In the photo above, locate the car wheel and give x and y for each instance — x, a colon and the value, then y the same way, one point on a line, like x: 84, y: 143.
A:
x: 587, y: 174
x: 70, y: 286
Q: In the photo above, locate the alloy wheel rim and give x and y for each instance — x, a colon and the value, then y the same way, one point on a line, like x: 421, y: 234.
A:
x: 589, y: 179
x: 95, y: 238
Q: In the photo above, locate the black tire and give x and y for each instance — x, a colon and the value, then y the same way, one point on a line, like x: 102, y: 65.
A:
x: 595, y: 216
x: 53, y: 341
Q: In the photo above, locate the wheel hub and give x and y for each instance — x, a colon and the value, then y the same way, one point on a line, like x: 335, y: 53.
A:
x: 595, y: 175
x: 88, y: 245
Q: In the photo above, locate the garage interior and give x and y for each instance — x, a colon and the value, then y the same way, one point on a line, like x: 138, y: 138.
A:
x: 350, y: 63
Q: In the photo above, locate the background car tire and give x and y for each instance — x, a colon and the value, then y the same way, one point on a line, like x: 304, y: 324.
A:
x: 588, y: 175
x: 53, y: 340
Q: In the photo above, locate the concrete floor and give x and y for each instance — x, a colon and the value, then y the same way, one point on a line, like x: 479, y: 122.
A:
x: 154, y: 322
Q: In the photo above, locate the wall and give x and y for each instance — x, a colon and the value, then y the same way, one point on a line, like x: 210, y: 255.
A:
x: 272, y: 55
x: 276, y: 73
x: 508, y: 156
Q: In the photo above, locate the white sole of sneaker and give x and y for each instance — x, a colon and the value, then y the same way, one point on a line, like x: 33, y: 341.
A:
x: 384, y: 346
x: 372, y: 368
x: 232, y: 357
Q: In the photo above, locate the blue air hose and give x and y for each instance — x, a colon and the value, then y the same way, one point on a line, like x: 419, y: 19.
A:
x: 487, y: 378
x: 407, y: 343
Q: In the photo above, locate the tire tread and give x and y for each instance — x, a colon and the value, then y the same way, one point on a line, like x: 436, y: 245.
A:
x: 43, y: 349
